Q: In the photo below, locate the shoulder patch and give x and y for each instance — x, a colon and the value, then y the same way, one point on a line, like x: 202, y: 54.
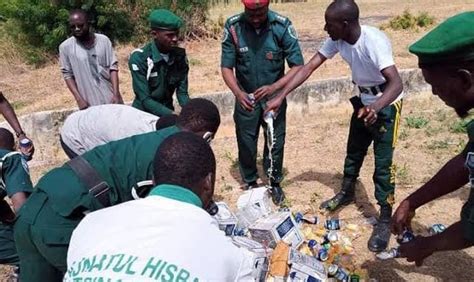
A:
x: 281, y: 18
x: 225, y: 35
x: 137, y: 50
x: 292, y: 31
x: 135, y: 67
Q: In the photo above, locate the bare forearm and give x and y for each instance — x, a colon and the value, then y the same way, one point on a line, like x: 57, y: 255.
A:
x: 115, y: 82
x: 392, y: 90
x: 451, y: 239
x: 279, y: 84
x: 230, y: 80
x: 18, y: 199
x: 451, y: 177
x: 72, y: 86
x: 9, y: 114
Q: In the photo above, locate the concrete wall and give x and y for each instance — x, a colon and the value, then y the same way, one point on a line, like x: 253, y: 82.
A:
x: 43, y: 127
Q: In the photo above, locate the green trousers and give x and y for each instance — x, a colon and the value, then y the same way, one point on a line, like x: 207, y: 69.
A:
x: 8, y: 254
x: 384, y: 135
x: 247, y: 127
x: 42, y: 239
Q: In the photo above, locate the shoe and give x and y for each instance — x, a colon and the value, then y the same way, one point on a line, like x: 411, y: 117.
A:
x: 277, y: 194
x: 251, y: 185
x: 381, y: 233
x: 343, y: 197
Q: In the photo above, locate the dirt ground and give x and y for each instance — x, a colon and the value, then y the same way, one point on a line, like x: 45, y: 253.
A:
x: 314, y: 154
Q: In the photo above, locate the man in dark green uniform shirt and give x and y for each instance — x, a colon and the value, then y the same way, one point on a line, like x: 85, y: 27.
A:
x: 16, y: 184
x: 256, y: 43
x: 62, y: 198
x: 160, y: 68
x: 446, y: 57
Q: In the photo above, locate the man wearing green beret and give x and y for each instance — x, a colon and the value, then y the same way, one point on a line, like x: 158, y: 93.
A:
x: 160, y: 68
x: 256, y: 43
x: 446, y: 58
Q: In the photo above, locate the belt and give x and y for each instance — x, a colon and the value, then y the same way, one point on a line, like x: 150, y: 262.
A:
x: 374, y: 90
x: 97, y: 187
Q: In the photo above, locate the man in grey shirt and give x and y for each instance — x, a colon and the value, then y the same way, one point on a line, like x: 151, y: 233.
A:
x: 84, y: 130
x: 89, y: 65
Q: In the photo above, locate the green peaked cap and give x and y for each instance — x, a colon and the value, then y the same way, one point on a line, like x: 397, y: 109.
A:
x: 450, y: 42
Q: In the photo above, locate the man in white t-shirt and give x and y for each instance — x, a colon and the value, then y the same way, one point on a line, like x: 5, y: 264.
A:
x: 376, y: 115
x: 168, y: 235
x: 84, y: 130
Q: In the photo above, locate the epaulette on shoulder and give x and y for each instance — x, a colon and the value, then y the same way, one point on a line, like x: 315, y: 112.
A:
x: 281, y: 19
x: 234, y: 19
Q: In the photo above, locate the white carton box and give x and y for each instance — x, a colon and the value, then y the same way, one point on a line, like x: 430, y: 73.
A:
x: 261, y: 256
x: 275, y: 227
x: 258, y: 197
x: 226, y: 219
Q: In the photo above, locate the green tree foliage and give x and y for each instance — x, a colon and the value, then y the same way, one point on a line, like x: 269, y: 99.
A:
x: 39, y: 26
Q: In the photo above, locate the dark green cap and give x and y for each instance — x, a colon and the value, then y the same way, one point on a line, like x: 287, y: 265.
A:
x: 164, y: 19
x: 450, y: 42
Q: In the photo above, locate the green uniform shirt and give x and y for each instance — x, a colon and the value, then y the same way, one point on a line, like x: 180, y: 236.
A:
x: 120, y: 163
x: 467, y: 213
x: 155, y: 80
x: 15, y: 175
x: 259, y: 59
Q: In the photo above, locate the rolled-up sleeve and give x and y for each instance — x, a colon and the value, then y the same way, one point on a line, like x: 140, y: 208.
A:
x: 64, y: 63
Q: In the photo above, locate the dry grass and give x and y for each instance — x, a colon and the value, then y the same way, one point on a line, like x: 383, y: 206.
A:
x: 43, y: 89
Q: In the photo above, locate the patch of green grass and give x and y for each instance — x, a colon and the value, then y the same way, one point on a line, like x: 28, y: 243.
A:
x: 416, y: 122
x: 194, y: 62
x: 17, y: 105
x: 407, y: 20
x: 234, y: 162
x: 439, y: 144
x: 459, y: 126
x: 402, y: 173
x: 286, y: 203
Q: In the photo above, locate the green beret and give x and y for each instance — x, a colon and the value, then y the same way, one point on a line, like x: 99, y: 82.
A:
x: 164, y: 19
x: 450, y: 42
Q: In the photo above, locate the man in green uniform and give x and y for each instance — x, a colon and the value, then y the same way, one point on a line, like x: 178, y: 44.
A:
x: 256, y: 44
x: 160, y: 68
x: 16, y: 184
x: 99, y: 178
x: 446, y: 57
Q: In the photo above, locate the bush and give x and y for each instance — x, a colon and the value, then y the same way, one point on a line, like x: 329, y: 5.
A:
x: 410, y: 21
x: 39, y: 26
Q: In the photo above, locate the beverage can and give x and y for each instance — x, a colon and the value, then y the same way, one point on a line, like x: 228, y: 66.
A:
x: 405, y: 237
x: 251, y: 98
x: 323, y: 254
x: 436, y: 229
x: 26, y: 143
x: 333, y: 224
